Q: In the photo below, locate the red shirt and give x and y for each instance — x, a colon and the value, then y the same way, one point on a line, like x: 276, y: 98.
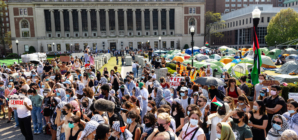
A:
x: 165, y: 85
x: 233, y: 94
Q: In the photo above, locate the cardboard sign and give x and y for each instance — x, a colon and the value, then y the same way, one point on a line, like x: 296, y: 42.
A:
x: 64, y: 58
x: 270, y: 83
x: 293, y: 95
x: 175, y: 81
x: 16, y: 101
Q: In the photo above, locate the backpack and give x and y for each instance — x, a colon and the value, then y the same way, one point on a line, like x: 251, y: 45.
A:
x: 222, y: 94
x: 188, y: 100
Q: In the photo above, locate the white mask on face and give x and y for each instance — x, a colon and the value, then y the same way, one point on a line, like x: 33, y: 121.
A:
x: 149, y: 108
x: 260, y: 81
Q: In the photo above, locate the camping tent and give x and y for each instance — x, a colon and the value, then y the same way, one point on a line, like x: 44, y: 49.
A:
x: 201, y: 57
x: 231, y: 50
x: 231, y: 57
x: 209, y: 60
x: 267, y: 62
x: 247, y: 60
x: 273, y: 54
x: 178, y: 59
x: 241, y: 69
x: 285, y: 78
x: 290, y: 49
x: 189, y: 61
x: 218, y: 63
x: 228, y: 66
x: 189, y: 50
x: 226, y: 60
x: 289, y: 67
x: 223, y: 48
x: 213, y: 66
x: 215, y: 56
x: 265, y: 50
x: 236, y: 61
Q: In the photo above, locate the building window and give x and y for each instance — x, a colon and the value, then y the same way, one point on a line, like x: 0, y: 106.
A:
x: 262, y: 32
x: 244, y: 5
x: 77, y: 46
x: 111, y: 19
x: 172, y: 19
x: 155, y: 19
x: 251, y: 0
x: 227, y: 10
x: 7, y: 24
x: 94, y: 46
x: 280, y: 5
x: 49, y: 47
x: 239, y: 0
x: 57, y: 20
x: 164, y: 44
x: 244, y: 0
x: 262, y: 0
x: 66, y: 20
x: 172, y: 44
x: 250, y: 20
x: 25, y: 28
x: 21, y: 11
x: 238, y: 5
x: 243, y: 22
x: 239, y: 22
x: 227, y: 5
x: 67, y: 46
x: 262, y: 19
x: 7, y: 19
x: 47, y: 15
x: 121, y: 19
x: 25, y: 11
x: 129, y: 20
x: 233, y: 0
x: 192, y: 22
x: 246, y: 21
x: 163, y: 19
x: 130, y: 45
x: 75, y: 20
x: 155, y: 44
x: 192, y: 10
x: 147, y: 19
x: 26, y: 48
x: 227, y: 0
x: 268, y: 19
x: 236, y: 23
x: 58, y: 47
x: 102, y: 16
x: 93, y: 20
x: 233, y: 5
x: 84, y: 20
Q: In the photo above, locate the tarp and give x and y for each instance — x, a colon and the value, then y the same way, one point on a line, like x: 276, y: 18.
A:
x: 215, y: 56
x: 178, y: 59
x: 289, y: 67
x: 26, y: 58
x: 226, y: 60
x: 160, y: 51
x: 285, y: 78
x: 273, y: 54
x: 292, y: 57
x: 236, y: 61
x: 201, y: 57
x: 290, y: 49
x: 195, y: 49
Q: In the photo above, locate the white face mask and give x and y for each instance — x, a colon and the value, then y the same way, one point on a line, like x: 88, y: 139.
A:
x: 149, y: 108
x: 261, y: 81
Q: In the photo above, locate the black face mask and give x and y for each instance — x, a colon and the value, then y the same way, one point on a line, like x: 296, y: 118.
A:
x: 123, y: 101
x: 236, y: 120
x: 84, y: 94
x: 64, y: 112
x: 221, y: 112
x: 161, y: 128
x: 148, y: 124
x: 21, y: 82
x: 161, y: 80
x: 84, y: 104
x: 174, y: 105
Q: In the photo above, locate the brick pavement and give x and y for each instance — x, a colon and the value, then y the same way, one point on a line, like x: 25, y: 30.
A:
x: 7, y: 132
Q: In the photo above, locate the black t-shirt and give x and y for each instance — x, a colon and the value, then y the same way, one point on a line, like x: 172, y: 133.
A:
x: 150, y: 51
x: 177, y: 118
x: 245, y: 88
x: 256, y: 131
x: 271, y: 103
x: 47, y: 68
x: 113, y: 118
x: 47, y: 101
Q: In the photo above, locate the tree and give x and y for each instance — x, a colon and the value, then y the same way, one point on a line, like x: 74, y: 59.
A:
x: 213, y: 20
x: 2, y: 7
x: 32, y: 49
x: 7, y: 39
x: 186, y: 46
x: 282, y: 27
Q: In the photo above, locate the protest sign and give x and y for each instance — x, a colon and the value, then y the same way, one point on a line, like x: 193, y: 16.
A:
x: 64, y: 58
x: 270, y: 83
x: 175, y: 81
x: 16, y: 101
x: 293, y: 95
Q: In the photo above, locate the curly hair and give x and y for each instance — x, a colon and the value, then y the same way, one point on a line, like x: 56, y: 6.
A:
x: 89, y: 92
x: 151, y: 118
x: 153, y: 104
x: 128, y: 105
x: 179, y: 108
x: 193, y: 108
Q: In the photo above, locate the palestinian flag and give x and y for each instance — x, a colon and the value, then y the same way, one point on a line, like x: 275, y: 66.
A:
x: 256, y: 70
x: 217, y: 101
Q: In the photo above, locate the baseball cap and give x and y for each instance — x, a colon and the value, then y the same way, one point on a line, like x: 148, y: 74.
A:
x: 183, y: 89
x: 141, y: 84
x: 67, y: 82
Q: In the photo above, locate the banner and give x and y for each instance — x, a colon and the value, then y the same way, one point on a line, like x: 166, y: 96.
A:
x: 293, y: 95
x: 16, y: 101
x: 175, y: 81
x: 64, y: 58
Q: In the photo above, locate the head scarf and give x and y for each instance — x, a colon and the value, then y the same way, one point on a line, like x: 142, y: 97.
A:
x: 89, y: 128
x: 226, y: 132
x: 60, y: 105
x: 80, y: 88
x: 292, y: 121
x: 62, y: 94
x: 211, y: 116
x: 289, y: 135
x: 75, y: 105
x: 277, y: 133
x: 87, y: 109
x: 177, y: 100
x: 116, y: 127
x: 175, y: 93
x: 98, y: 118
x: 103, y: 80
x: 167, y: 96
x: 138, y: 91
x: 156, y: 84
x: 125, y: 91
x: 159, y: 96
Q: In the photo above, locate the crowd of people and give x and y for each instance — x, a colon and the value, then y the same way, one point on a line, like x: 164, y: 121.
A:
x: 61, y: 104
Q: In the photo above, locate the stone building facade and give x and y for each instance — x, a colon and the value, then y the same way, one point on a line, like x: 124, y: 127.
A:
x: 71, y: 25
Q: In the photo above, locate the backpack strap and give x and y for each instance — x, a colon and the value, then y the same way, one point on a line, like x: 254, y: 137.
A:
x: 194, y: 133
x: 189, y: 100
x: 172, y: 135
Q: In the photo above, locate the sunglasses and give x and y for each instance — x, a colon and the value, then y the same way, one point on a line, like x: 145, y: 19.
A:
x: 199, y: 101
x: 279, y: 123
x: 71, y: 122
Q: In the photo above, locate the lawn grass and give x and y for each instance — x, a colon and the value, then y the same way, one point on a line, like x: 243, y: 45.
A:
x: 110, y: 65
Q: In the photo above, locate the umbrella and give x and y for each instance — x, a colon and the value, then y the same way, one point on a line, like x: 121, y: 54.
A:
x: 210, y: 81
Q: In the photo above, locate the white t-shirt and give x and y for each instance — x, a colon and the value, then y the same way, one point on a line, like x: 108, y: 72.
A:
x: 23, y: 111
x: 153, y: 76
x: 134, y: 65
x: 185, y: 102
x: 198, y: 133
x: 145, y: 94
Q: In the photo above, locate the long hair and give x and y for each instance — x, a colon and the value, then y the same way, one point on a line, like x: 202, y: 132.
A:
x: 134, y: 115
x: 193, y: 108
x: 76, y: 119
x: 241, y: 114
x: 230, y: 81
x: 243, y: 98
x: 135, y: 100
x: 231, y: 100
x: 151, y: 118
x: 262, y: 109
x: 153, y: 104
x: 179, y: 108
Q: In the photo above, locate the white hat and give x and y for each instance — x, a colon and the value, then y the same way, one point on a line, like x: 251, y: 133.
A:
x: 177, y: 100
x: 183, y: 89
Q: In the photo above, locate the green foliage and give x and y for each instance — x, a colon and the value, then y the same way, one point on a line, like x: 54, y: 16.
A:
x: 186, y: 46
x: 32, y: 49
x: 12, y: 55
x: 171, y: 71
x: 172, y: 66
x: 213, y: 20
x: 282, y: 27
x: 7, y: 39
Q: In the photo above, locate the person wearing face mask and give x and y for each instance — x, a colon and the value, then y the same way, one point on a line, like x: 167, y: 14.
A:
x: 279, y: 125
x: 70, y: 95
x: 151, y: 108
x: 148, y: 126
x: 8, y: 92
x: 47, y: 112
x: 24, y: 116
x: 122, y: 91
x: 239, y: 125
x: 163, y: 125
x: 75, y: 128
x: 86, y: 111
x: 133, y: 120
x: 263, y: 94
x: 178, y: 115
x: 66, y: 110
x: 230, y: 101
x: 163, y: 83
x: 89, y: 131
x: 215, y: 118
x: 24, y: 84
x: 243, y: 103
x: 130, y: 83
x: 36, y: 100
x: 185, y: 100
x: 275, y: 104
x: 103, y: 132
x: 292, y: 116
x: 258, y: 120
x: 192, y: 130
x: 259, y: 86
x: 224, y: 132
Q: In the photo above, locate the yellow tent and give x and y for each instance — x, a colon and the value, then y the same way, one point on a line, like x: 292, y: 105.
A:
x: 178, y: 59
x: 226, y: 60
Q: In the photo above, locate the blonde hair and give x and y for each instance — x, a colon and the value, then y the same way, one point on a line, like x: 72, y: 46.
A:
x: 46, y: 85
x: 23, y: 80
x: 164, y: 116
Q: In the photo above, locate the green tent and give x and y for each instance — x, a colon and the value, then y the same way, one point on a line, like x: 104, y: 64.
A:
x: 273, y: 54
x: 170, y: 52
x: 189, y: 61
x: 198, y: 65
x: 240, y: 70
x: 265, y: 50
x: 218, y: 63
x: 247, y: 60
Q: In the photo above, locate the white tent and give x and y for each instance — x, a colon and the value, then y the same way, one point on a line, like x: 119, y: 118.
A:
x: 26, y: 58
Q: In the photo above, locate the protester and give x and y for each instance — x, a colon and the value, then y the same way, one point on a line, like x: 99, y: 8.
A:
x: 279, y: 125
x: 258, y: 120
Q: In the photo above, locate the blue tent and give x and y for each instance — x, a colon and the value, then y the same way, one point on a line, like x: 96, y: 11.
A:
x: 195, y: 49
x: 236, y: 61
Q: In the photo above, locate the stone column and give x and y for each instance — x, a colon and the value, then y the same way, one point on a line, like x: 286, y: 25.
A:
x: 53, y: 23
x: 125, y: 22
x: 98, y: 23
x: 80, y: 22
x: 70, y: 23
x: 89, y: 22
x: 168, y: 21
x: 151, y: 22
x: 134, y: 22
x: 62, y: 22
x: 159, y: 21
x: 116, y: 23
x: 107, y: 23
x: 143, y: 22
